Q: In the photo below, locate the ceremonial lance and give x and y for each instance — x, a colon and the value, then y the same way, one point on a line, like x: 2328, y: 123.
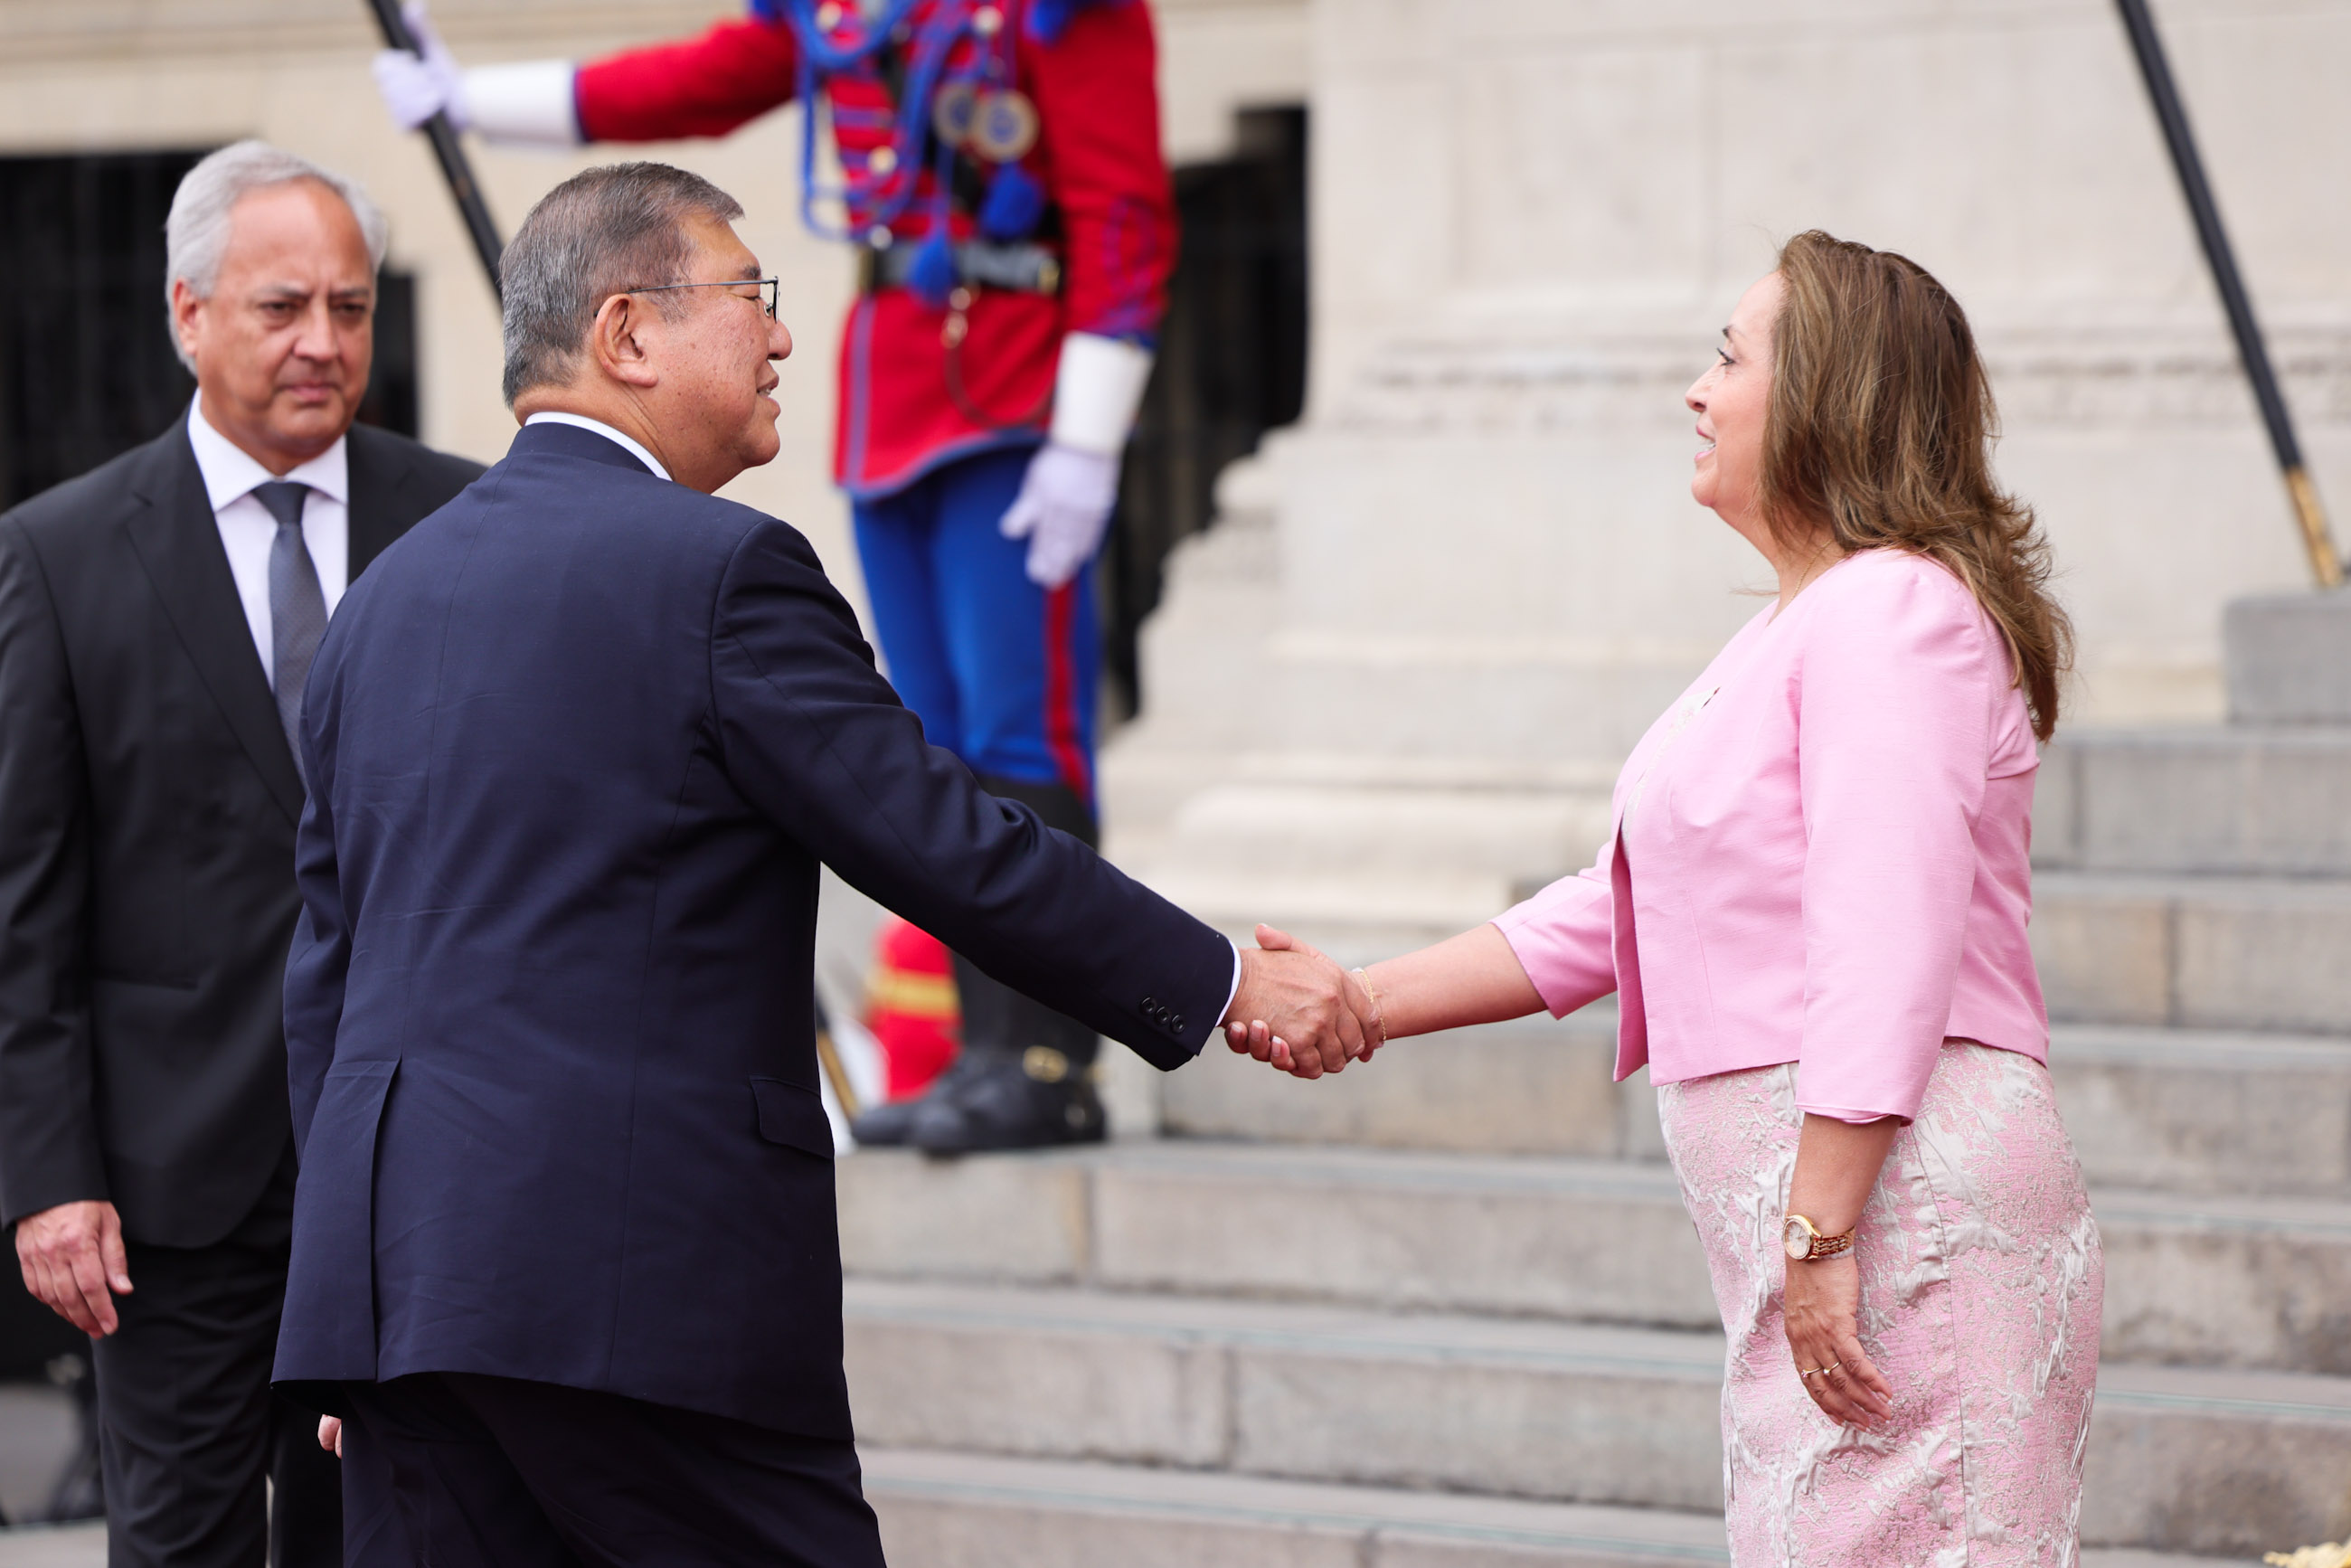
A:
x: 454, y: 166
x: 828, y: 1057
x: 2326, y: 565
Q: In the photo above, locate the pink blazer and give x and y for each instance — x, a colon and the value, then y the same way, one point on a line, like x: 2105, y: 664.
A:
x: 1818, y: 855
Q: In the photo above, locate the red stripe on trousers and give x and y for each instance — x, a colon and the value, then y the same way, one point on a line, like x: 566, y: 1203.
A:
x: 1062, y: 731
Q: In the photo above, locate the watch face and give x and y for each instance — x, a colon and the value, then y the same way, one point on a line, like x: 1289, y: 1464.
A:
x: 1797, y: 1238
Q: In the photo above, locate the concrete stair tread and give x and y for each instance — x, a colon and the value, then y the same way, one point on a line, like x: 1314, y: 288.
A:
x: 2290, y: 892
x: 1587, y: 1180
x: 1405, y: 1167
x: 1373, y: 1526
x: 2154, y: 1045
x: 2311, y: 1217
x: 1262, y: 1520
x: 2224, y: 951
x: 2240, y: 798
x: 1593, y: 1180
x: 2303, y: 1397
x: 1679, y: 1354
x: 2232, y: 739
x: 1342, y: 1163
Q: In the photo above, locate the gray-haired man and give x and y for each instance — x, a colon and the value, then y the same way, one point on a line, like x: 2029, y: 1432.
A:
x: 158, y: 617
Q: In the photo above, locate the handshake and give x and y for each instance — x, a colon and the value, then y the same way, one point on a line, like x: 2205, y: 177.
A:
x: 1299, y: 1013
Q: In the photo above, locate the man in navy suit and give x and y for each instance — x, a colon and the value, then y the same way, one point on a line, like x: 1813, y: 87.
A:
x: 565, y: 1260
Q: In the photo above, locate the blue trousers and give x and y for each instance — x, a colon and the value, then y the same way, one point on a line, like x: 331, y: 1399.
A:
x: 1001, y: 671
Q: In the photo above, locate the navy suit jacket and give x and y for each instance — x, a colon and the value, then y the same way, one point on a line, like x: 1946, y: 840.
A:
x: 577, y: 745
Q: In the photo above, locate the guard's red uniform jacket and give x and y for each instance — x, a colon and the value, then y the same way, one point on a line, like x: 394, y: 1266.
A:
x: 1097, y: 157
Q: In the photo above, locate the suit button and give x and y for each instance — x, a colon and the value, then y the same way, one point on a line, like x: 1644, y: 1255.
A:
x: 1150, y: 1004
x: 1177, y: 1023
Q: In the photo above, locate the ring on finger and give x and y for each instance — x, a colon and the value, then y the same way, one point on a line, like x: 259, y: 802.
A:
x: 1824, y: 1371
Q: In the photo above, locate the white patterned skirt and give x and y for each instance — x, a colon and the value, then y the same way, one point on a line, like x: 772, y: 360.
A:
x: 1981, y: 1284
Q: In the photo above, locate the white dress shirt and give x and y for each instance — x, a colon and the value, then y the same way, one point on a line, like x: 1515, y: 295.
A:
x: 632, y: 448
x: 247, y: 530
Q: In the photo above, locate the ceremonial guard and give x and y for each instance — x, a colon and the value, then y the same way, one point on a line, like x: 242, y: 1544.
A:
x: 1004, y: 186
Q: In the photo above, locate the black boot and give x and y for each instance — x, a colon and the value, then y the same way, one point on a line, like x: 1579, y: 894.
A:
x: 889, y: 1125
x: 1034, y: 1100
x: 1029, y: 1084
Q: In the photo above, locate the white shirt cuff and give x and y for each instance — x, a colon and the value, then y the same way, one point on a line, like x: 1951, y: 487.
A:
x: 528, y: 104
x: 1229, y: 994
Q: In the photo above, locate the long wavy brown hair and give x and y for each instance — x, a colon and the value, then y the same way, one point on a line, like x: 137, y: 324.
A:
x: 1880, y: 430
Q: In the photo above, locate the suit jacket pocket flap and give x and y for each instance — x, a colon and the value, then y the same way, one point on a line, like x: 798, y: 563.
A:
x: 792, y: 1116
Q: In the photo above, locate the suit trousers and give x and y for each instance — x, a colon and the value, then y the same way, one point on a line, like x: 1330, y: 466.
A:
x: 457, y: 1468
x: 188, y: 1429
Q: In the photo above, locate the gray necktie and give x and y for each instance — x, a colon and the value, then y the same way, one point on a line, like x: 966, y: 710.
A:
x: 297, y: 610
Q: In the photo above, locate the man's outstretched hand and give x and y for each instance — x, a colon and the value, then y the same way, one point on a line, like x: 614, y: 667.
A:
x: 1296, y: 1010
x: 74, y: 1262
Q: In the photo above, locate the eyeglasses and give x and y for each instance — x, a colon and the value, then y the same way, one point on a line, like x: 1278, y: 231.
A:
x: 771, y: 290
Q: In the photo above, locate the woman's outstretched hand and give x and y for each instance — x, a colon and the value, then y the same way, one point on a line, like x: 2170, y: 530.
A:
x: 1822, y: 1316
x: 1297, y: 1010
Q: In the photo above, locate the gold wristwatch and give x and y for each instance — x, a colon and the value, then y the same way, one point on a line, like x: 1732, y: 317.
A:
x: 1804, y: 1243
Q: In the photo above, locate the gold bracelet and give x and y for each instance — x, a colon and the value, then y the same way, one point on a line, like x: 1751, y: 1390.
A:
x: 1379, y: 1025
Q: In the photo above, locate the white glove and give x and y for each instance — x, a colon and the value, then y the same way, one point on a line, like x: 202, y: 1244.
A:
x: 416, y: 88
x: 1063, y: 506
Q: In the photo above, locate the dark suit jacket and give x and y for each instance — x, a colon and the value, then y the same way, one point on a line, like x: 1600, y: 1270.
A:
x: 147, y: 807
x: 578, y: 746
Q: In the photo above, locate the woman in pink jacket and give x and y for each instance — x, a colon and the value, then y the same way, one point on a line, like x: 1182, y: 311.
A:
x: 1812, y: 910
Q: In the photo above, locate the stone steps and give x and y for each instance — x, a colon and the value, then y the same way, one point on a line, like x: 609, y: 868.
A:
x: 1568, y: 1413
x: 2215, y: 1281
x: 2182, y: 1460
x: 976, y: 1510
x: 2226, y: 952
x: 2213, y: 1112
x: 2240, y: 799
x: 2165, y: 1109
x: 971, y: 1511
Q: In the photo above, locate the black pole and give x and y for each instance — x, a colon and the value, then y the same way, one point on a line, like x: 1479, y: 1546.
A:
x: 455, y: 167
x: 2324, y: 564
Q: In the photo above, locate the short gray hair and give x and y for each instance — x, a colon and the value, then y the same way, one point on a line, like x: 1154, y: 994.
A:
x: 195, y: 235
x: 601, y: 232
